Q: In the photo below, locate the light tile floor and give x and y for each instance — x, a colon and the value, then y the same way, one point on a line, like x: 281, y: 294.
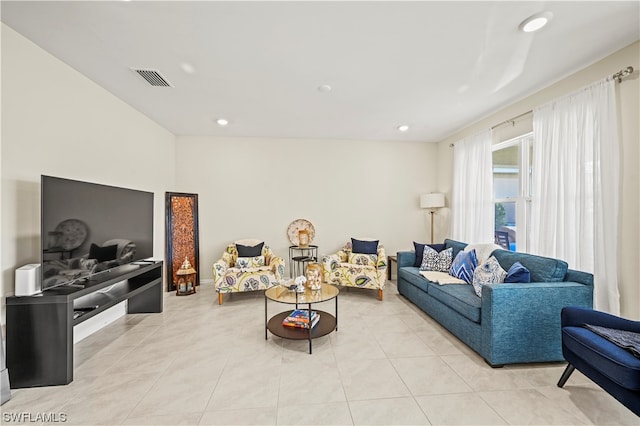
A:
x: 389, y: 363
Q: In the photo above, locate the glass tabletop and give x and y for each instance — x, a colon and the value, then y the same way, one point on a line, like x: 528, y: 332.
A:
x: 284, y: 295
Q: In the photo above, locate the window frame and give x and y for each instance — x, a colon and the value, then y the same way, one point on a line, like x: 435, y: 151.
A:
x: 525, y: 188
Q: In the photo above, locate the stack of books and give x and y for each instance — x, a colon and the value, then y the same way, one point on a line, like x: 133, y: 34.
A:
x: 300, y: 319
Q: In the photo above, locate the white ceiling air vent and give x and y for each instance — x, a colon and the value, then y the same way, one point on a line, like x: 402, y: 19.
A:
x: 153, y: 77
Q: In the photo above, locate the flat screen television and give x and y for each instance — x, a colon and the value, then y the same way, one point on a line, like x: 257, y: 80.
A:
x: 88, y: 228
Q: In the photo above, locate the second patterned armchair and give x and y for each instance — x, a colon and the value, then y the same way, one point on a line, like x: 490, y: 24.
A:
x: 247, y: 265
x: 360, y: 263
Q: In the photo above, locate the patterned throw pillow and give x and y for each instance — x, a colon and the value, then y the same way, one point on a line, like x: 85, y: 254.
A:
x: 434, y: 261
x: 490, y: 272
x: 249, y: 262
x: 363, y: 259
x: 463, y: 266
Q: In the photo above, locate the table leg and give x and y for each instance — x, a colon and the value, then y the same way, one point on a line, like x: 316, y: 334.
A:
x: 336, y: 313
x: 309, y: 330
x: 265, y: 317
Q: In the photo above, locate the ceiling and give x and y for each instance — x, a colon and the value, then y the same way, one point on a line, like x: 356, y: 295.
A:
x: 434, y: 66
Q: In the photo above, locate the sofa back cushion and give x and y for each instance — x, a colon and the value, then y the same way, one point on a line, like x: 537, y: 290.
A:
x: 457, y: 246
x: 542, y: 269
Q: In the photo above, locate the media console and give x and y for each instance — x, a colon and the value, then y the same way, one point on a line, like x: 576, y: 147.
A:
x: 40, y: 327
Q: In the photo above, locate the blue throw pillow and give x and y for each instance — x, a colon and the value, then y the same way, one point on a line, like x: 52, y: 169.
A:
x: 463, y: 265
x: 364, y: 247
x: 518, y: 274
x: 419, y: 249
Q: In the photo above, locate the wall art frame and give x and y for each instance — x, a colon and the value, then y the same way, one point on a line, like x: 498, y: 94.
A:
x: 181, y: 234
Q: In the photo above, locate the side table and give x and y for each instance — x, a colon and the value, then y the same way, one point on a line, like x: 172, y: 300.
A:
x: 389, y: 260
x: 299, y: 257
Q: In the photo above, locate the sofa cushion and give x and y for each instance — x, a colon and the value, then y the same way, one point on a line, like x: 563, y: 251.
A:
x: 489, y: 272
x: 365, y: 247
x: 411, y: 274
x: 542, y: 269
x: 434, y: 261
x: 616, y: 363
x: 518, y: 274
x: 250, y: 262
x: 457, y: 246
x: 459, y: 297
x: 463, y: 265
x: 483, y: 251
x: 249, y: 251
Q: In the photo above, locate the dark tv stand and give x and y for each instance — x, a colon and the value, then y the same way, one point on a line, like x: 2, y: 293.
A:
x: 40, y: 328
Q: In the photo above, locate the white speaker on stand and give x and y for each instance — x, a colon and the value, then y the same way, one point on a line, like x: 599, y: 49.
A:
x: 28, y: 280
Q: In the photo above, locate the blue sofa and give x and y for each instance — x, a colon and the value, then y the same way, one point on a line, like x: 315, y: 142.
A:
x: 510, y: 323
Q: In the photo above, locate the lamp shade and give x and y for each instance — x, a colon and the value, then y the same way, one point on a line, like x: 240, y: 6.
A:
x: 432, y: 201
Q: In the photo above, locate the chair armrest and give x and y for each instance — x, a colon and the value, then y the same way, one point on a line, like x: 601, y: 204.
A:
x: 277, y: 266
x: 522, y: 318
x: 219, y: 270
x: 330, y: 263
x: 382, y: 266
x: 577, y: 317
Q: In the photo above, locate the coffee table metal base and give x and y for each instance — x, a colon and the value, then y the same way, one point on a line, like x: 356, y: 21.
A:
x: 326, y: 324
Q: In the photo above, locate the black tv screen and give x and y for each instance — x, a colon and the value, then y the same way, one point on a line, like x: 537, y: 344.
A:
x: 88, y: 228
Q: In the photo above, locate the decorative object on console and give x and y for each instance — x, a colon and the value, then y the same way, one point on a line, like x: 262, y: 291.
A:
x: 432, y: 201
x: 181, y: 228
x: 186, y: 279
x: 294, y: 229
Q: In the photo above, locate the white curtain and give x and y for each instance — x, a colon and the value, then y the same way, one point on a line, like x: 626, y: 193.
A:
x: 574, y: 213
x: 472, y: 209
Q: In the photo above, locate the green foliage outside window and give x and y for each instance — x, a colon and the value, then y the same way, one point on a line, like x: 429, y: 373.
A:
x: 500, y: 216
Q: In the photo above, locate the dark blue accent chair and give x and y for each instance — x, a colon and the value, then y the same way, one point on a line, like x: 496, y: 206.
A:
x: 611, y: 367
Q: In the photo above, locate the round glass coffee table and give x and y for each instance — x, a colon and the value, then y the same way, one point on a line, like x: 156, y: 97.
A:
x: 326, y: 324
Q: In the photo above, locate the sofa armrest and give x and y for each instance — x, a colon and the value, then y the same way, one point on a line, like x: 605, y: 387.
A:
x: 521, y: 321
x: 577, y: 317
x: 406, y: 258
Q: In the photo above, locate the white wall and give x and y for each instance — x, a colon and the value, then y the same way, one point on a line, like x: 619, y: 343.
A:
x: 57, y: 122
x: 629, y: 111
x: 254, y: 188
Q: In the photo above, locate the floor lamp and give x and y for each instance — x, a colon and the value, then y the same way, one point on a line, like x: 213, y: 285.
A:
x: 432, y: 201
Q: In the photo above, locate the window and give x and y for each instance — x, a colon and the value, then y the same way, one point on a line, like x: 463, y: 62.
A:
x: 512, y: 191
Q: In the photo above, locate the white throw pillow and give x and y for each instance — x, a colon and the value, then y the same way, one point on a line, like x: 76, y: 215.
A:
x: 490, y: 272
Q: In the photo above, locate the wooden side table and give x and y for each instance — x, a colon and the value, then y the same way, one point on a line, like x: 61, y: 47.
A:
x: 391, y: 259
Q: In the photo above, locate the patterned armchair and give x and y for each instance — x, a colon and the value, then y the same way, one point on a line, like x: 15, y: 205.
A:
x: 233, y: 273
x: 350, y: 269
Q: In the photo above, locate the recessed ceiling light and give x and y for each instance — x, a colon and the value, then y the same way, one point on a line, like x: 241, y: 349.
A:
x: 535, y: 22
x: 222, y: 122
x: 324, y: 88
x: 403, y: 128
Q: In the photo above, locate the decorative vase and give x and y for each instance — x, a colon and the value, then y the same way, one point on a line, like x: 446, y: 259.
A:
x: 314, y: 276
x: 303, y: 238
